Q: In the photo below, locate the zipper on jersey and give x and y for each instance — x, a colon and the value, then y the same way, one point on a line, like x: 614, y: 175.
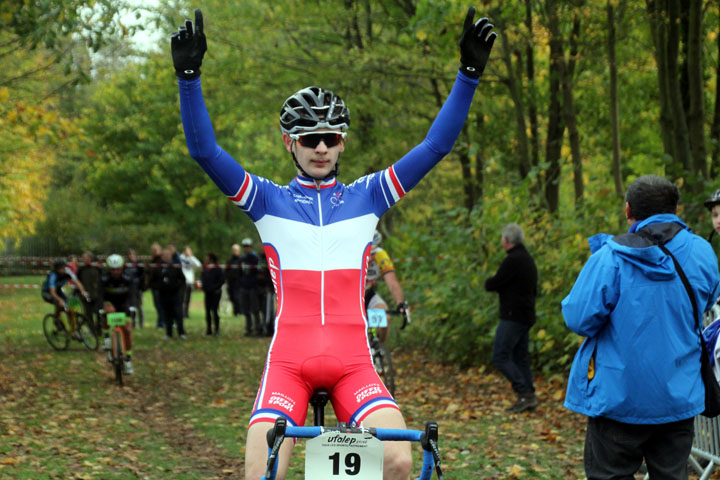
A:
x: 322, y: 261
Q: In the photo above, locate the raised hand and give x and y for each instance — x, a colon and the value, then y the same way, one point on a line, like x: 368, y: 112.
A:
x: 188, y: 47
x: 475, y: 44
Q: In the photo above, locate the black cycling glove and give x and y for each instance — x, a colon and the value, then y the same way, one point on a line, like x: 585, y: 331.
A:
x: 475, y: 44
x: 188, y: 48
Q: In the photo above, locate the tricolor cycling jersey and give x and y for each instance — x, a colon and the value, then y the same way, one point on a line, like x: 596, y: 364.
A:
x: 317, y: 239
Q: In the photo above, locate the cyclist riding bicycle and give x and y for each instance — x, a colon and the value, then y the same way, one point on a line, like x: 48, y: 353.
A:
x: 53, y: 294
x: 317, y: 235
x: 380, y: 267
x: 115, y: 288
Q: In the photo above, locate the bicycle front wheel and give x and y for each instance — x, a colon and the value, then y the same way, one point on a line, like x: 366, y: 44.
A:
x: 87, y: 331
x: 55, y: 332
x: 383, y: 365
x: 118, y: 354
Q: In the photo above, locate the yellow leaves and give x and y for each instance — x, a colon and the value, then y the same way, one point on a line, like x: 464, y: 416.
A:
x: 9, y: 461
x: 515, y: 471
x: 421, y: 35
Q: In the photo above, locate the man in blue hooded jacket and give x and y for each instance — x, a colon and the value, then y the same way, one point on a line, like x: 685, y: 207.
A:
x: 637, y: 374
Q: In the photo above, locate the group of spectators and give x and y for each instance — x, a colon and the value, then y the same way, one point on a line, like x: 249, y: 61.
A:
x: 172, y: 276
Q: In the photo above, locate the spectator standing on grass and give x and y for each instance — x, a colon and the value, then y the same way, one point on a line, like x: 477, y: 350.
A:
x: 171, y: 284
x: 265, y: 295
x: 89, y: 276
x: 249, y: 289
x: 516, y: 283
x: 212, y: 279
x: 637, y: 374
x: 189, y: 264
x: 233, y: 272
x: 136, y: 272
x: 153, y: 282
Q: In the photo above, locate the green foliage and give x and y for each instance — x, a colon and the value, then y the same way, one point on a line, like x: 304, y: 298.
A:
x: 110, y: 156
x: 446, y: 260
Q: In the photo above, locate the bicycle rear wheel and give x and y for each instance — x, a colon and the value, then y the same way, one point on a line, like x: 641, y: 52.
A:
x: 117, y: 351
x: 55, y: 332
x: 383, y: 365
x: 87, y: 331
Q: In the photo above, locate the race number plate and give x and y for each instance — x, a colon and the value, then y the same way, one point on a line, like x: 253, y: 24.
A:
x: 344, y: 456
x: 376, y: 317
x: 116, y: 319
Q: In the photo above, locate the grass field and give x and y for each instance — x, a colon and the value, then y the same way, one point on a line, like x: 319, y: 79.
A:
x: 184, y: 413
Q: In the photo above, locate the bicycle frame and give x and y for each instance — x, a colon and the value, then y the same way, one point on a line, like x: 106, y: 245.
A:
x: 117, y: 320
x: 428, y: 439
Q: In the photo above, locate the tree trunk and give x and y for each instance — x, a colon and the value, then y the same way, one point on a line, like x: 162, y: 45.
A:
x: 462, y: 151
x: 555, y: 120
x: 479, y: 166
x: 659, y: 36
x: 531, y: 95
x: 696, y: 112
x: 513, y: 83
x: 715, y: 127
x: 614, y: 113
x: 681, y: 140
x: 567, y: 71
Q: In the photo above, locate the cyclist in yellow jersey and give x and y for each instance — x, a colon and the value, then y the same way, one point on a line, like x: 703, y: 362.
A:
x: 380, y: 267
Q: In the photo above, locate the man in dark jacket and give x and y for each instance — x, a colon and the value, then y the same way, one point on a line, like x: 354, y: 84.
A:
x: 171, y: 285
x: 89, y: 276
x: 153, y: 281
x: 249, y: 289
x: 232, y: 277
x: 212, y: 279
x: 516, y: 282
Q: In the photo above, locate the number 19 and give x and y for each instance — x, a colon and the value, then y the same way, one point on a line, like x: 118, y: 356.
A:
x: 352, y: 462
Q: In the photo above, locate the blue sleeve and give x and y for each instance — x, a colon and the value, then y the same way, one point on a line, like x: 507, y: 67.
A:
x: 441, y: 137
x: 592, y: 299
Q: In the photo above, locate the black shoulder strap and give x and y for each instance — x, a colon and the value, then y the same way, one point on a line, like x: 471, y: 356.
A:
x: 686, y: 283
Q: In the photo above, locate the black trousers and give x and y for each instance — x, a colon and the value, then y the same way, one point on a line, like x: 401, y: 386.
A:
x: 212, y: 302
x: 615, y: 450
x: 251, y: 309
x: 510, y: 355
x: 172, y: 307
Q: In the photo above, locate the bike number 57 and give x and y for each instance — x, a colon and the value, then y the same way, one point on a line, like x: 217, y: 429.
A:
x: 344, y: 456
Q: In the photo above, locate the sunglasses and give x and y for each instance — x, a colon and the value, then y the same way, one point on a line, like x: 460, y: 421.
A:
x: 312, y: 140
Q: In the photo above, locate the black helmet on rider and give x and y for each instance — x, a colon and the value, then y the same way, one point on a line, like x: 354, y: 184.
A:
x: 314, y: 108
x: 713, y: 200
x: 59, y: 263
x: 310, y: 110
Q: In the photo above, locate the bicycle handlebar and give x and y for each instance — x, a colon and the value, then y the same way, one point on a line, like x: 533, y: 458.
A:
x: 428, y: 440
x: 404, y: 310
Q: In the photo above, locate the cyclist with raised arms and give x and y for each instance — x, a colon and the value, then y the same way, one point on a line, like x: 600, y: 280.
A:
x: 115, y: 287
x: 317, y: 236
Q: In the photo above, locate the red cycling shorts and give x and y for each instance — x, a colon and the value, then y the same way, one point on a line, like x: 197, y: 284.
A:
x: 334, y: 356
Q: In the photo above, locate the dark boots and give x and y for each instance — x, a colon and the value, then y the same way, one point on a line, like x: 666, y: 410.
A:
x: 525, y: 402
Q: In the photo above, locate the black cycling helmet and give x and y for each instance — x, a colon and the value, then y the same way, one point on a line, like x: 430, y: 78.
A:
x: 313, y: 108
x: 60, y: 262
x: 713, y: 200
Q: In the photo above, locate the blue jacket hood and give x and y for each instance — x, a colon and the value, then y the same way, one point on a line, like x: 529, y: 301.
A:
x: 641, y: 252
